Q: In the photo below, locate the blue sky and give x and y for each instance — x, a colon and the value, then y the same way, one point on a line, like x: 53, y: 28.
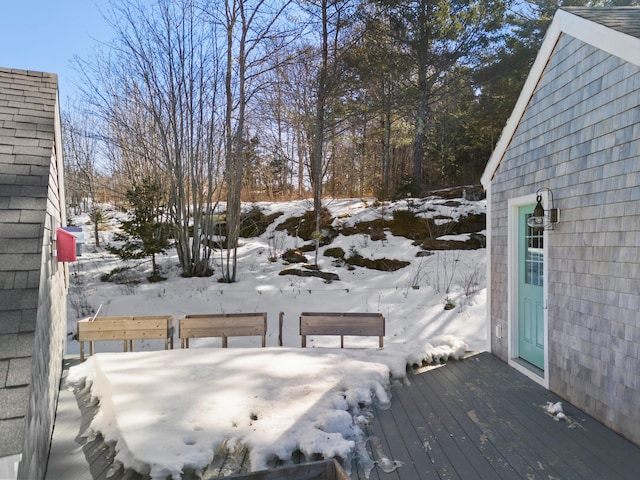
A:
x: 45, y: 35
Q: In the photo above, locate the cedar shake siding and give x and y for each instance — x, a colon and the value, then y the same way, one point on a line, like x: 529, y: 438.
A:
x: 578, y: 133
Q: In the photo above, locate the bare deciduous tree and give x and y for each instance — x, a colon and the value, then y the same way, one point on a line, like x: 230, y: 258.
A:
x: 159, y: 102
x: 81, y: 169
x: 249, y: 25
x: 330, y: 16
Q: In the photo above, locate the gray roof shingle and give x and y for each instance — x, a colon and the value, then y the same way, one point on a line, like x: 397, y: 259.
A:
x: 27, y: 126
x: 622, y: 19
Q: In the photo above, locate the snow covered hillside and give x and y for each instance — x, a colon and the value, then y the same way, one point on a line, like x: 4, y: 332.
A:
x: 277, y: 400
x: 411, y: 298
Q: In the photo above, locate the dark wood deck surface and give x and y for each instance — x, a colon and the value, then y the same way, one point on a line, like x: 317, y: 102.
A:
x: 471, y: 419
x: 480, y: 419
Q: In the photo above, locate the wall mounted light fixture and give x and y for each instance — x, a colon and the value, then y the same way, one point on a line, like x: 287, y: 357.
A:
x: 543, y: 219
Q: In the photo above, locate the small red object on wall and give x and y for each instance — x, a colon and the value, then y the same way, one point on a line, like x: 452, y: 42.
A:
x: 66, y: 246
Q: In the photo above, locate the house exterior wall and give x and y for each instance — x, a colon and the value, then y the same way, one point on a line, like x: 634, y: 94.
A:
x: 49, y: 339
x: 32, y: 283
x: 580, y: 137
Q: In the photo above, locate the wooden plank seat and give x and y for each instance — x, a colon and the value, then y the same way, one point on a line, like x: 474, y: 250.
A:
x: 222, y: 325
x: 335, y: 323
x: 127, y: 329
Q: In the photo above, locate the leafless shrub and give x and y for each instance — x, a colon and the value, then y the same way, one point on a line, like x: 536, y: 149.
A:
x: 419, y: 273
x: 79, y: 301
x: 470, y: 279
x: 129, y: 288
x: 363, y: 241
x: 437, y: 229
x: 446, y: 265
x: 78, y: 298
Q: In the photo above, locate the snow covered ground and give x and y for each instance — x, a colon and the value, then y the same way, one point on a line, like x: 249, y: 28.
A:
x: 277, y: 400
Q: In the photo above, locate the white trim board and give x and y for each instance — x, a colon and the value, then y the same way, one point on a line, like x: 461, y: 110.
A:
x: 9, y: 466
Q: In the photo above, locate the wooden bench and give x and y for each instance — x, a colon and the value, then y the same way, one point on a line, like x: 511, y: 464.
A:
x: 223, y: 325
x: 127, y: 329
x: 331, y: 323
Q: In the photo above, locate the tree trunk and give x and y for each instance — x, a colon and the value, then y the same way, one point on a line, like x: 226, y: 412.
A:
x: 386, y: 147
x: 230, y: 173
x: 418, y: 149
x: 318, y: 132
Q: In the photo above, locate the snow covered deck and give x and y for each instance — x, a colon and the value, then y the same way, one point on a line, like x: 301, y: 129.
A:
x: 472, y: 419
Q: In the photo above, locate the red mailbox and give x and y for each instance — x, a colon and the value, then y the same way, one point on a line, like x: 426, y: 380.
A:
x: 66, y: 246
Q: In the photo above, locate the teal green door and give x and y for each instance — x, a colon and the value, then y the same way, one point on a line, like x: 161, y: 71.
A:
x: 530, y: 290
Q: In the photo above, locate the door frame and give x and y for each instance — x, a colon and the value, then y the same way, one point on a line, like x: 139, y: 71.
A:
x: 514, y: 264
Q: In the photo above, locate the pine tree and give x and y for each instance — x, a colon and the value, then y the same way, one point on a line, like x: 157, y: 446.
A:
x: 145, y: 233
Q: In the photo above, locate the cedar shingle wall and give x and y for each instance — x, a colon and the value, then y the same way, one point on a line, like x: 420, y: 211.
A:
x: 580, y: 136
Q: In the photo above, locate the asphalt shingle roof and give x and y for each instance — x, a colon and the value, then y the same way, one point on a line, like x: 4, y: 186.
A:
x: 622, y: 19
x: 27, y: 120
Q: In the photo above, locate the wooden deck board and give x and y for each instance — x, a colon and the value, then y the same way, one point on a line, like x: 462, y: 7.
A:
x: 481, y: 435
x: 393, y: 448
x: 495, y: 417
x: 438, y: 392
x: 565, y: 453
x: 428, y: 447
x: 536, y: 431
x: 528, y: 415
x: 472, y: 419
x: 469, y: 455
x: 523, y: 453
x: 525, y: 415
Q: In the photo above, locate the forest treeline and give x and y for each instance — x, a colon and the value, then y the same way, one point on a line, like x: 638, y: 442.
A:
x: 205, y: 102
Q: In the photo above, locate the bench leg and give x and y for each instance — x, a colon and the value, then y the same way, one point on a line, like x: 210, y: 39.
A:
x: 341, y: 341
x: 82, y: 351
x: 381, y: 342
x: 90, y: 348
x: 304, y: 341
x: 224, y: 341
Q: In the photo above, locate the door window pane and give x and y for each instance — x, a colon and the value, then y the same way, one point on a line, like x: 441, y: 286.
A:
x: 534, y: 260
